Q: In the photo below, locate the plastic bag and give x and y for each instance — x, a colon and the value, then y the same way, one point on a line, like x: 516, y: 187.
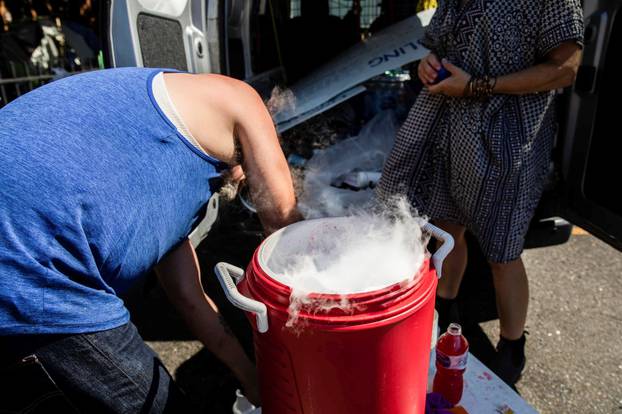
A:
x: 365, y: 152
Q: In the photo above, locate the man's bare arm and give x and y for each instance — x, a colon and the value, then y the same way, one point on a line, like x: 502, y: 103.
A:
x: 222, y: 112
x: 180, y: 277
x: 264, y: 164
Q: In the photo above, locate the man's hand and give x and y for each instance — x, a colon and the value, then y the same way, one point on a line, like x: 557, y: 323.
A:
x: 236, y: 174
x: 454, y: 85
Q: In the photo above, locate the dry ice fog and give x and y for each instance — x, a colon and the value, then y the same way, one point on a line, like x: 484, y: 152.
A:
x: 371, y: 247
x: 363, y: 252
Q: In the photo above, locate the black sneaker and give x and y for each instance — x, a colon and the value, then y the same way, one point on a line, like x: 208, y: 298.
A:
x: 509, y: 361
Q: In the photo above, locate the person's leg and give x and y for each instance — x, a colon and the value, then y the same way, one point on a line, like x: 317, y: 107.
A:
x: 452, y: 272
x: 455, y: 263
x: 512, y: 295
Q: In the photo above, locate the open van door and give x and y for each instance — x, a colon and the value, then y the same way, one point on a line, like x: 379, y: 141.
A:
x: 178, y: 34
x: 591, y: 146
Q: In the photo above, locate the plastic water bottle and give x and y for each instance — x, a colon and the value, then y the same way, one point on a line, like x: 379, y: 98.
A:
x: 452, y: 350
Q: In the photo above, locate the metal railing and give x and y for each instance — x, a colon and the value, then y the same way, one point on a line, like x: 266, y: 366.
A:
x: 18, y: 78
x: 370, y: 9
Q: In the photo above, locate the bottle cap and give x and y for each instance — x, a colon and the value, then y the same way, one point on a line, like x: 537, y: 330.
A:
x: 454, y: 329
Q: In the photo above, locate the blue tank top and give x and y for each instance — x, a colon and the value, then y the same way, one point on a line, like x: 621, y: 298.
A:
x: 96, y: 186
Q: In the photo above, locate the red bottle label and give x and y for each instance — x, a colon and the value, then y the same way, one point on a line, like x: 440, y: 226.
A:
x: 451, y: 361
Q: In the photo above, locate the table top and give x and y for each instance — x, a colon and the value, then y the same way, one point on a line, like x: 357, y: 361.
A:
x: 484, y: 392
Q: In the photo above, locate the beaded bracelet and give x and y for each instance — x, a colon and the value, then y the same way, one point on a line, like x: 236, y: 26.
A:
x: 480, y: 88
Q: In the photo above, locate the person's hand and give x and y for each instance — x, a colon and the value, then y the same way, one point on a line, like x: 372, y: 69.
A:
x: 454, y: 85
x: 236, y: 174
x: 233, y: 181
x: 428, y: 68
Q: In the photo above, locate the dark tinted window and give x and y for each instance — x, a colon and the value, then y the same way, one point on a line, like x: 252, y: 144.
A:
x: 602, y: 178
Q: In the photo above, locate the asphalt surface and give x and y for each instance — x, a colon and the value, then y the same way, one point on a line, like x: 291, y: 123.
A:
x: 574, y: 348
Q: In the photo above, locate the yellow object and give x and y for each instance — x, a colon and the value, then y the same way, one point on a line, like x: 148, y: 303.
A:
x: 426, y: 4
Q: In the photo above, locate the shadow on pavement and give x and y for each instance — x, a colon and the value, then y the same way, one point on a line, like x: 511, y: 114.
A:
x: 209, y: 385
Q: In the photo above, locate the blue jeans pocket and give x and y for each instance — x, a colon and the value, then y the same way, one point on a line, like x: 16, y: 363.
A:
x: 28, y: 388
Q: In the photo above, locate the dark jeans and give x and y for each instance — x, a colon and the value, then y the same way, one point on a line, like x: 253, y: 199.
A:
x: 111, y: 371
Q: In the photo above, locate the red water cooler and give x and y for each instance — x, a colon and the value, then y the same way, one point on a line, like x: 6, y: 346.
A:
x: 371, y: 359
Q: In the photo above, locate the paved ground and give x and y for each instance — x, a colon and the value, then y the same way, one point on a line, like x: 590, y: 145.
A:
x: 574, y: 348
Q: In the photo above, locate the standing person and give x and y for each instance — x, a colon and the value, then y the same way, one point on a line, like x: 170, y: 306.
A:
x: 475, y: 150
x: 103, y: 177
x: 5, y: 16
x: 426, y: 4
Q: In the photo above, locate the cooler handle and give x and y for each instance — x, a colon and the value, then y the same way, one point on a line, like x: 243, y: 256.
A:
x: 226, y: 274
x: 448, y: 244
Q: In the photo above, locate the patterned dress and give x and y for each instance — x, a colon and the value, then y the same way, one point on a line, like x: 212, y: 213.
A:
x: 484, y: 164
